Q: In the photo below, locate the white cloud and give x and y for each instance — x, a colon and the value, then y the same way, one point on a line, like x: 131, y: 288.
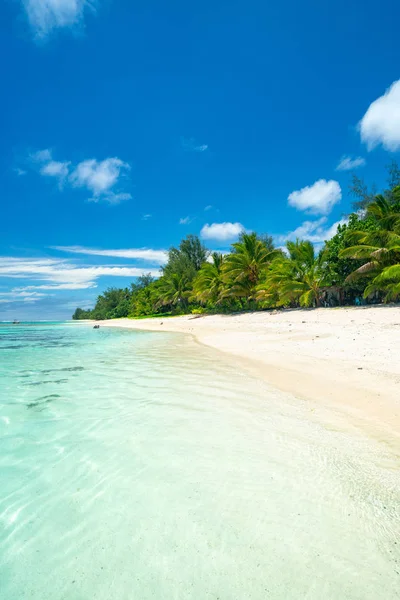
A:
x: 185, y: 220
x: 208, y: 207
x: 62, y: 272
x: 314, y: 231
x: 381, y: 122
x: 47, y: 15
x: 146, y: 254
x: 49, y: 167
x: 17, y: 299
x: 221, y: 231
x: 318, y: 198
x: 190, y: 145
x: 20, y: 295
x: 100, y: 178
x: 112, y: 197
x: 347, y: 163
x: 146, y: 217
x: 57, y: 286
x: 56, y: 169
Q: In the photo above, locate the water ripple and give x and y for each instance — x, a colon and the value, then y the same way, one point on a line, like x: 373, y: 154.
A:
x: 163, y: 472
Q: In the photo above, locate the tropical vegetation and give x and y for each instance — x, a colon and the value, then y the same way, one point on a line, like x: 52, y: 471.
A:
x: 359, y: 264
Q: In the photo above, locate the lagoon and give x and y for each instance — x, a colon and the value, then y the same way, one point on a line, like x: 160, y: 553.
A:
x: 143, y: 465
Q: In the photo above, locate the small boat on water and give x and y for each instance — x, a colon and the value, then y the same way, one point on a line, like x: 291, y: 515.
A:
x: 15, y: 322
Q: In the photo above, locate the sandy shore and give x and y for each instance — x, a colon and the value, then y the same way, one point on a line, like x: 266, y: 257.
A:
x: 345, y: 359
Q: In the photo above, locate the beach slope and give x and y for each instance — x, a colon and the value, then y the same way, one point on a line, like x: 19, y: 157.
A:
x: 346, y: 359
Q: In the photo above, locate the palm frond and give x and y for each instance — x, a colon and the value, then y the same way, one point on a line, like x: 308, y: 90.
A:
x: 358, y: 252
x: 368, y: 269
x: 389, y: 274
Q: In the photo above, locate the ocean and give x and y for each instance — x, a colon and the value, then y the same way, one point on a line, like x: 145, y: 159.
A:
x: 142, y: 466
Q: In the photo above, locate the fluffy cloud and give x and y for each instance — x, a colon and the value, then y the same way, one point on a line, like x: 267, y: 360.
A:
x: 145, y: 254
x: 318, y: 198
x: 185, y: 220
x: 100, y: 178
x: 381, y: 122
x: 347, y: 163
x: 314, y: 231
x: 221, y: 231
x: 47, y: 15
x: 56, y: 169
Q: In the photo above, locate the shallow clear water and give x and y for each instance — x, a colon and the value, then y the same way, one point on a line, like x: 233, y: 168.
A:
x: 141, y: 465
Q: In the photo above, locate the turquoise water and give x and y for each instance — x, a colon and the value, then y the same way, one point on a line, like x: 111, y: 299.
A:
x: 143, y: 466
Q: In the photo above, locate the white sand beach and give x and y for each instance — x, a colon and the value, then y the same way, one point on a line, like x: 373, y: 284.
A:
x: 344, y: 359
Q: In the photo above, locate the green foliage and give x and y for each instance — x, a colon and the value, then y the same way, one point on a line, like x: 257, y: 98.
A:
x: 174, y: 290
x: 338, y: 268
x: 295, y: 278
x: 112, y: 304
x: 80, y: 314
x: 246, y: 265
x: 187, y: 259
x: 363, y: 257
x: 143, y: 299
x: 208, y: 286
x: 378, y: 248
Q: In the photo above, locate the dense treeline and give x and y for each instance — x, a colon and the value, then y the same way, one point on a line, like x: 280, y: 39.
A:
x: 361, y: 263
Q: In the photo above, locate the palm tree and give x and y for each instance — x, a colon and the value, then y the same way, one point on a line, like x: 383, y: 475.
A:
x: 246, y: 265
x: 209, y: 283
x: 388, y: 282
x: 380, y: 248
x: 297, y: 277
x: 174, y: 289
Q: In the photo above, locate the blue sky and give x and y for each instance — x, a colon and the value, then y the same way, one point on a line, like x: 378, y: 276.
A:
x: 127, y: 125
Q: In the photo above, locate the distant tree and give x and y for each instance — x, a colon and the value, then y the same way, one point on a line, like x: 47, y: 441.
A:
x: 141, y: 282
x: 267, y: 240
x: 112, y: 304
x: 80, y: 314
x: 364, y: 195
x: 145, y: 280
x: 187, y: 259
x: 393, y: 179
x: 195, y: 251
x: 360, y: 191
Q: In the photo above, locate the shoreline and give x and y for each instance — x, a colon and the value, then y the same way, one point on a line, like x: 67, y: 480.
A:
x: 341, y: 359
